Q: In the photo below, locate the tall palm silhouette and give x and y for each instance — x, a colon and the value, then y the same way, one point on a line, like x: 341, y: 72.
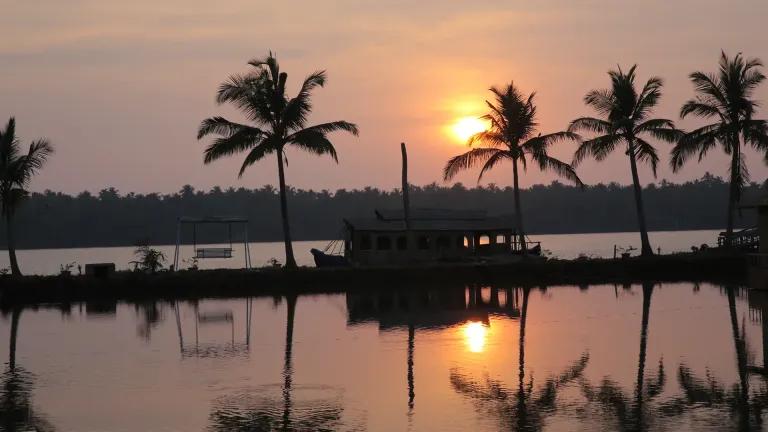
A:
x: 631, y: 411
x: 626, y: 119
x: 726, y: 98
x: 17, y: 412
x: 16, y: 171
x: 512, y: 137
x: 523, y: 408
x: 277, y: 122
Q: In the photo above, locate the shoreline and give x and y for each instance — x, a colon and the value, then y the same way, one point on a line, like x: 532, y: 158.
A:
x: 713, y: 266
x: 187, y: 243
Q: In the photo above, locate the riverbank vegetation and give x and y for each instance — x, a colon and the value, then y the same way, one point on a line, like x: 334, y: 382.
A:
x: 110, y: 218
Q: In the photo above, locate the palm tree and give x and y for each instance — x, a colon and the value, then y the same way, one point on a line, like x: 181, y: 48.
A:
x: 512, y: 136
x: 277, y: 122
x: 726, y: 99
x: 16, y: 171
x: 626, y: 118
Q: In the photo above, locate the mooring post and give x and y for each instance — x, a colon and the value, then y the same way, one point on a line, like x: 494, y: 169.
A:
x: 406, y: 201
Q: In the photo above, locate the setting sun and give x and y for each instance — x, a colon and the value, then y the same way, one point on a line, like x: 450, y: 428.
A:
x: 474, y: 335
x: 465, y: 127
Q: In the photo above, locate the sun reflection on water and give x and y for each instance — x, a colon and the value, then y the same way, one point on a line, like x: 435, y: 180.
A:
x: 475, y: 334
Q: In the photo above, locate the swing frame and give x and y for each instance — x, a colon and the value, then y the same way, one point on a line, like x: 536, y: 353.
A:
x: 208, y: 253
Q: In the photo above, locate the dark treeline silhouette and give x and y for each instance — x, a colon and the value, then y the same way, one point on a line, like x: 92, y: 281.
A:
x: 52, y: 219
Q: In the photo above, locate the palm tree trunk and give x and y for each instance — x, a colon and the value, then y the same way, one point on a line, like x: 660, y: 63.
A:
x: 733, y: 193
x: 11, y: 240
x: 291, y: 301
x: 518, y: 212
x: 645, y: 248
x: 647, y: 293
x: 15, y: 315
x: 290, y: 261
x: 741, y: 361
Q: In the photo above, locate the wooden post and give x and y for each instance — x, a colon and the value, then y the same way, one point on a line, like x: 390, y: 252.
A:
x: 406, y: 201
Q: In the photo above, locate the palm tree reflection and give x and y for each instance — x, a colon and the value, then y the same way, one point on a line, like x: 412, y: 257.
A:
x: 707, y: 392
x: 632, y: 412
x: 16, y: 410
x: 260, y: 410
x: 523, y: 408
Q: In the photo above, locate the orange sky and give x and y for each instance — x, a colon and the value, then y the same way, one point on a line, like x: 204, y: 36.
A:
x: 120, y: 87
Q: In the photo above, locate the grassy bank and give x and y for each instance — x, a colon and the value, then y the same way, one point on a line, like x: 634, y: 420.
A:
x: 711, y: 267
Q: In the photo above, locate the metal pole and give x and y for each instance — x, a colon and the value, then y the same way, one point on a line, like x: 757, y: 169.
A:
x: 247, y: 249
x: 178, y: 242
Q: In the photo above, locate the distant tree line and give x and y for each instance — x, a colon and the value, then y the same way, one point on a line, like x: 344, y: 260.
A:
x: 54, y: 219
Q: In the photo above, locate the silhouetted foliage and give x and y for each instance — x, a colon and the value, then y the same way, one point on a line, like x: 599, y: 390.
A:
x: 54, y: 219
x: 16, y: 171
x: 626, y: 123
x: 277, y: 122
x: 726, y: 99
x: 512, y: 137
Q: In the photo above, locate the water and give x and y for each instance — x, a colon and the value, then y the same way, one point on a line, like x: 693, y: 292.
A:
x: 451, y: 358
x: 568, y: 246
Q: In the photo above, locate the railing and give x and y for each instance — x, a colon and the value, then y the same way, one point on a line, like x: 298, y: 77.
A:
x: 744, y: 239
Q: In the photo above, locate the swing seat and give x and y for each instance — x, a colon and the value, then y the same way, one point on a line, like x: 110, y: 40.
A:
x: 203, y: 253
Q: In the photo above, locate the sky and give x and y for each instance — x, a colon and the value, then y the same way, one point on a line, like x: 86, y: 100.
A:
x: 120, y: 87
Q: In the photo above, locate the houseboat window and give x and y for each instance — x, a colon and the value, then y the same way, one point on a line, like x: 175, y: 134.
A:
x: 424, y: 242
x: 402, y: 243
x: 443, y: 242
x: 484, y: 240
x: 383, y: 243
x: 365, y: 242
x: 501, y: 239
x: 463, y: 242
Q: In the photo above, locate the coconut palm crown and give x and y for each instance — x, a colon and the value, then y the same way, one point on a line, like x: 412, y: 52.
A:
x: 276, y: 122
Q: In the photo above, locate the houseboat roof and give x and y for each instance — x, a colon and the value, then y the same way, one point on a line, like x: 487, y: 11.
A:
x: 433, y: 220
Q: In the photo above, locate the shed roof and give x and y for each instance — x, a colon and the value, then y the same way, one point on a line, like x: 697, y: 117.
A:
x: 433, y: 220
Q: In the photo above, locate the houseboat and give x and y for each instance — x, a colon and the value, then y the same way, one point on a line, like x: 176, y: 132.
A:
x: 434, y: 235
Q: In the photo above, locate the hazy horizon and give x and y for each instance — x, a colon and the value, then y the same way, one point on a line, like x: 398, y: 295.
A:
x: 120, y: 87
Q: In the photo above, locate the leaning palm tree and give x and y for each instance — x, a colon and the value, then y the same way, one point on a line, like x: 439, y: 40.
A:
x: 277, y: 122
x: 626, y: 119
x: 512, y: 137
x: 16, y: 171
x: 726, y: 99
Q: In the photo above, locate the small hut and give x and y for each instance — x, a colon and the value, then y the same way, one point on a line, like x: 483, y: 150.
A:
x: 433, y: 235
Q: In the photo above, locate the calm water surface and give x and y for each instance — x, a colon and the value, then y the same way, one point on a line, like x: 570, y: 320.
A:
x: 450, y: 358
x: 568, y: 246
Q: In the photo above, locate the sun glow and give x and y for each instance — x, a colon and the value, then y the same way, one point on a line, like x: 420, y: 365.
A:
x: 475, y: 334
x: 465, y: 127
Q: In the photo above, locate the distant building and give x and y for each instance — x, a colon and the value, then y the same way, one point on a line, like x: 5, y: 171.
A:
x: 435, y: 235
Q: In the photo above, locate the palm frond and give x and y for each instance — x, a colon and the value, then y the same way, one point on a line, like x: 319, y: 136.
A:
x: 599, y: 148
x: 316, y: 142
x: 562, y: 169
x: 602, y: 100
x: 326, y: 128
x: 646, y: 153
x: 492, y: 162
x: 590, y: 124
x: 661, y: 129
x: 698, y: 141
x: 467, y: 160
x: 700, y: 109
x: 256, y: 154
x: 488, y: 137
x: 236, y: 143
x: 224, y: 127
